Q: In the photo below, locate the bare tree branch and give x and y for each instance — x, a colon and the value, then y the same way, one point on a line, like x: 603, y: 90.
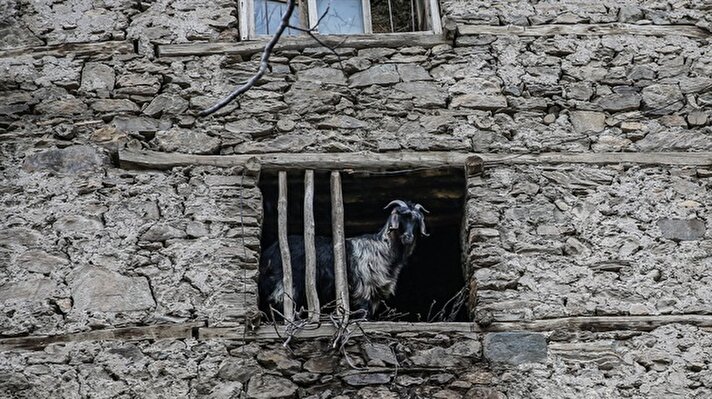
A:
x: 264, y: 63
x: 267, y: 52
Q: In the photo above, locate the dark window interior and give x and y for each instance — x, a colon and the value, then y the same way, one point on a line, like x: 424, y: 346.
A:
x: 434, y: 273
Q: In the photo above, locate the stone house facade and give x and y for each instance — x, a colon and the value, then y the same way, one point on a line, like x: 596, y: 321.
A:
x: 130, y: 229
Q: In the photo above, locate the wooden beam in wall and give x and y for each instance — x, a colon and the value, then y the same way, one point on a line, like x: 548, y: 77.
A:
x: 586, y: 30
x: 248, y: 48
x: 359, y: 161
x: 98, y: 49
x: 591, y: 323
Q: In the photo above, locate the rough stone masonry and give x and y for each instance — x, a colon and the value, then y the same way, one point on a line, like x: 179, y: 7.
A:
x: 592, y: 277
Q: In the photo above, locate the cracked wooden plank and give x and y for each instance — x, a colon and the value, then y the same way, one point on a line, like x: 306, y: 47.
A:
x: 99, y: 49
x: 586, y: 30
x: 160, y: 331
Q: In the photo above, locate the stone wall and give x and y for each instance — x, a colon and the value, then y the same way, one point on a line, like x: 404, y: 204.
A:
x: 614, y: 255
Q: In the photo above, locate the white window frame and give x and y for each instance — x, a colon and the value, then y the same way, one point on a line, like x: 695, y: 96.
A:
x: 246, y: 12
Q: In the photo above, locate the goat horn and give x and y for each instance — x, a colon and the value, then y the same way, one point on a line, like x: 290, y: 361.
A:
x: 396, y: 202
x: 421, y: 208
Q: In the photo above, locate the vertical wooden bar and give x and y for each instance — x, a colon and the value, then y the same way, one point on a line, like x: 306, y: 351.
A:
x: 284, y: 247
x: 366, y: 8
x: 437, y: 26
x: 310, y: 247
x: 337, y: 226
x: 313, y: 14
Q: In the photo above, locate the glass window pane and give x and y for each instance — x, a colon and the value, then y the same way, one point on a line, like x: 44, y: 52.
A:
x: 344, y: 17
x: 268, y: 14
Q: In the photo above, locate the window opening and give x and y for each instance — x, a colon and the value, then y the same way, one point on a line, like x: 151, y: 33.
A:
x: 434, y: 273
x: 344, y: 17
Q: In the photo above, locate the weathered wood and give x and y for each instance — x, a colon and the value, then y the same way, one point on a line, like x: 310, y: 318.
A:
x: 592, y: 323
x: 297, y: 43
x: 586, y: 30
x: 287, y: 300
x: 361, y: 161
x: 99, y: 49
x: 337, y: 220
x: 310, y: 247
x: 161, y: 331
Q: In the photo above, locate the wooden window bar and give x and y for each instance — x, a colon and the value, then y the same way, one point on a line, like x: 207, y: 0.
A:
x: 339, y: 242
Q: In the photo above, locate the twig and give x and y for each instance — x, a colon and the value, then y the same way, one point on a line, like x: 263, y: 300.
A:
x: 264, y: 63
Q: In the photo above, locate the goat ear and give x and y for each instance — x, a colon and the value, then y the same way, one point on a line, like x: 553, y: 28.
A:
x: 422, y: 228
x: 393, y: 221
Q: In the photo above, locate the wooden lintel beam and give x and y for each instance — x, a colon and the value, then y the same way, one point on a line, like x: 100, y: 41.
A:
x: 142, y: 159
x: 586, y: 30
x: 248, y: 48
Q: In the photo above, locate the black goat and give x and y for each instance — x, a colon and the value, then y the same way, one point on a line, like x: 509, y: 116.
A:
x: 373, y: 261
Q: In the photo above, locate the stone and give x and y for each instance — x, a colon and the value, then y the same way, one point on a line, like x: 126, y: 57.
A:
x: 139, y: 124
x: 424, y: 94
x: 37, y: 290
x: 228, y: 390
x: 292, y: 142
x: 166, y: 104
x: 278, y: 360
x: 380, y: 74
x: 187, y: 141
x: 99, y: 78
x: 250, y: 126
x: 98, y: 289
x: 436, y: 357
x: 662, y: 99
x: 588, y: 121
x: 574, y: 247
x: 74, y: 159
x: 238, y: 370
x: 323, y: 75
x: 628, y: 126
x: 682, y: 229
x: 380, y: 352
x: 38, y: 261
x: 320, y: 365
x: 67, y: 106
x: 342, y: 122
x: 371, y: 392
x: 412, y: 72
x: 678, y: 141
x: 267, y: 386
x: 620, y: 102
x: 407, y: 380
x: 367, y: 379
x: 355, y: 64
x: 162, y: 232
x: 114, y: 105
x: 478, y: 93
x: 515, y: 347
x: 76, y: 224
x: 697, y: 118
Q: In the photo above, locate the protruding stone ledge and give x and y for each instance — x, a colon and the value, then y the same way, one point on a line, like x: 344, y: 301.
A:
x: 586, y: 30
